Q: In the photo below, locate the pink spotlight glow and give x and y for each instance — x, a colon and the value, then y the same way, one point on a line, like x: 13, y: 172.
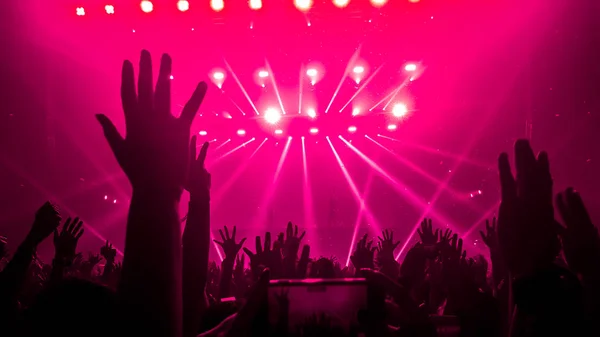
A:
x: 355, y: 111
x: 272, y: 116
x: 109, y: 9
x: 314, y: 131
x: 183, y: 5
x: 392, y: 127
x: 278, y: 132
x: 399, y: 110
x: 202, y: 133
x: 255, y: 4
x: 303, y: 5
x: 105, y: 197
x: 263, y: 73
x: 410, y: 67
x: 341, y: 3
x: 312, y: 72
x: 378, y: 3
x: 80, y: 11
x: 146, y: 6
x: 217, y: 5
x: 352, y: 129
x: 218, y: 75
x: 358, y: 70
x: 311, y: 113
x: 241, y: 132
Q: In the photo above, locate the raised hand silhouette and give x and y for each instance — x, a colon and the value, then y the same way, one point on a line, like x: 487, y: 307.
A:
x: 230, y: 247
x: 426, y: 233
x: 155, y: 151
x: 47, y: 219
x: 65, y: 242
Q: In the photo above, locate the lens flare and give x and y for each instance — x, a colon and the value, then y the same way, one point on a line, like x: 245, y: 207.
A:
x: 146, y: 6
x: 272, y: 116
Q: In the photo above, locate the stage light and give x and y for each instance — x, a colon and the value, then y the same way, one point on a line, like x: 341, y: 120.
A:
x: 399, y: 110
x: 303, y: 5
x: 171, y: 77
x: 311, y: 113
x: 355, y: 111
x: 183, y: 5
x: 410, y: 67
x: 312, y: 72
x: 146, y: 6
x: 255, y: 4
x: 392, y: 127
x: 217, y: 75
x: 278, y: 131
x: 80, y: 11
x: 352, y: 129
x: 217, y: 5
x: 358, y: 69
x: 202, y: 133
x: 378, y: 3
x: 263, y: 74
x: 241, y: 132
x: 314, y: 131
x: 109, y: 9
x: 413, y: 1
x: 272, y: 116
x: 341, y: 3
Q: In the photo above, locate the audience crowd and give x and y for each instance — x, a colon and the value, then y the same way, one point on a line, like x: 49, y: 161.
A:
x: 542, y: 278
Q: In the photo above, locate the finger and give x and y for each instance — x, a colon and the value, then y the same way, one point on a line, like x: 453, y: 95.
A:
x: 563, y: 210
x: 460, y: 245
x: 145, y: 96
x: 203, y: 152
x: 483, y: 237
x: 233, y: 233
x: 296, y: 231
x: 420, y: 233
x: 487, y: 225
x: 258, y: 245
x: 391, y: 235
x: 368, y: 246
x: 78, y: 227
x: 128, y: 95
x: 218, y: 242
x: 437, y: 231
x: 227, y: 233
x: 79, y: 234
x: 222, y: 236
x: 66, y: 225
x: 507, y: 181
x: 268, y: 241
x: 289, y: 230
x: 380, y: 239
x: 191, y: 107
x: 162, y: 96
x: 525, y: 163
x: 192, y: 157
x: 242, y: 242
x: 302, y: 235
x: 248, y: 252
x: 112, y: 135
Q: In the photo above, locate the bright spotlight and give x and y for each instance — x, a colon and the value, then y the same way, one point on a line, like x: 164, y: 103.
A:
x: 399, y: 110
x: 80, y: 11
x: 202, y: 133
x: 217, y: 5
x: 217, y: 75
x: 392, y: 127
x: 278, y: 131
x: 341, y: 3
x: 272, y: 116
x: 314, y: 131
x: 378, y: 3
x: 303, y: 5
x: 255, y: 4
x: 410, y: 67
x: 358, y: 69
x: 183, y: 5
x: 312, y: 72
x: 146, y: 6
x: 241, y: 132
x: 109, y: 9
x: 311, y: 113
x: 352, y: 129
x: 413, y: 1
x: 263, y: 74
x: 355, y: 111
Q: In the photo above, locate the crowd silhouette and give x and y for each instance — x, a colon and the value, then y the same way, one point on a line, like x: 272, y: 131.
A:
x: 542, y: 278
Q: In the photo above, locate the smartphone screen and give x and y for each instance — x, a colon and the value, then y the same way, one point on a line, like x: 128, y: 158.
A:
x: 338, y: 299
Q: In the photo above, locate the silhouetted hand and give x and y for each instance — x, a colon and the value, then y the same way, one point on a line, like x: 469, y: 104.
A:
x: 527, y: 234
x: 292, y: 241
x: 230, y: 247
x: 580, y: 240
x: 47, y: 219
x: 490, y: 238
x: 265, y: 256
x: 155, y: 151
x: 426, y: 233
x: 65, y: 242
x: 387, y: 246
x: 108, y: 252
x: 200, y: 180
x: 363, y: 254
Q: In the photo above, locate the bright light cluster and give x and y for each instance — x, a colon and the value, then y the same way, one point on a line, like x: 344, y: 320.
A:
x: 272, y: 116
x: 217, y: 5
x: 183, y: 5
x: 146, y: 6
x: 255, y: 4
